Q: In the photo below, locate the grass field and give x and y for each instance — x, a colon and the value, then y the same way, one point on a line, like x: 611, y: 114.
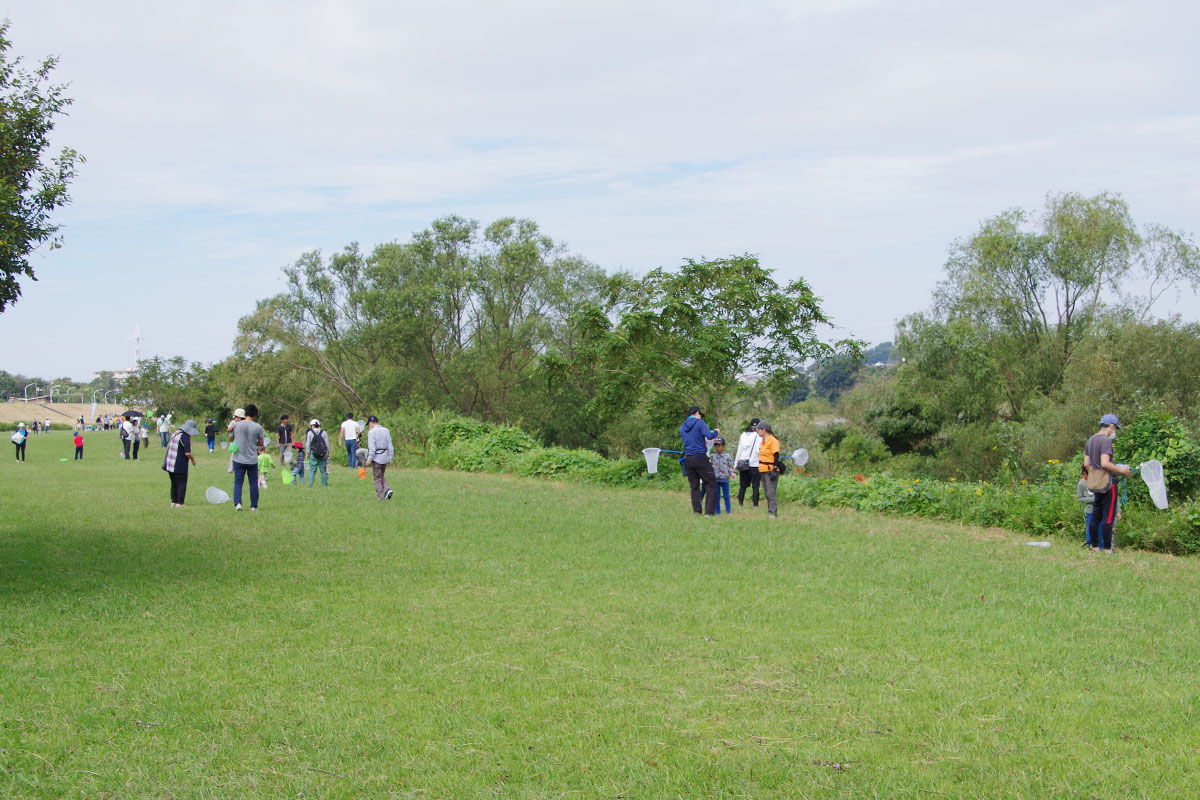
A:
x: 487, y: 636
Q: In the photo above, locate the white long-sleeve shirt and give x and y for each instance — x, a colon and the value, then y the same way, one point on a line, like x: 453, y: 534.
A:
x: 748, y: 445
x: 379, y: 445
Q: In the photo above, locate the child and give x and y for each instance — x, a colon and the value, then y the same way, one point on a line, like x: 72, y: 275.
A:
x: 265, y: 464
x: 297, y: 463
x: 723, y: 467
x: 1085, y: 495
x: 78, y: 446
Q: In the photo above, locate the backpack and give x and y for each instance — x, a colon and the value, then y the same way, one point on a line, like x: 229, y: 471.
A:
x: 319, y: 447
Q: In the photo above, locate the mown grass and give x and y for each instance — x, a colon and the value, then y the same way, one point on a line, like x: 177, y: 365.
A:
x: 485, y: 635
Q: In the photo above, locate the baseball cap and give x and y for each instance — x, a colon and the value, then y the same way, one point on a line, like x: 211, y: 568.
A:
x: 372, y: 418
x: 1110, y: 419
x: 693, y: 410
x: 718, y: 440
x: 316, y: 423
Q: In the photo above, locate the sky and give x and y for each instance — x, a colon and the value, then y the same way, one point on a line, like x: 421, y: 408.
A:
x: 845, y: 142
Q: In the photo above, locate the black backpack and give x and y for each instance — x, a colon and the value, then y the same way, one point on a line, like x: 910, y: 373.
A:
x: 319, y: 447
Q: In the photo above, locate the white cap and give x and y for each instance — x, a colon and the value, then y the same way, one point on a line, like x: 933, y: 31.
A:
x: 315, y: 422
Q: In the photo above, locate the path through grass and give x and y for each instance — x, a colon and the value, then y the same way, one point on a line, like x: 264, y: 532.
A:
x: 490, y: 636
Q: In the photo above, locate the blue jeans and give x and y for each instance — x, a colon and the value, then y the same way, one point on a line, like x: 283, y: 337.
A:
x: 1087, y: 528
x: 249, y: 471
x: 164, y: 435
x: 351, y: 452
x: 723, y: 491
x: 212, y: 442
x: 314, y: 464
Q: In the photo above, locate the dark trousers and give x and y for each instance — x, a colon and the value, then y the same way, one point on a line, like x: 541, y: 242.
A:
x: 249, y: 471
x: 20, y: 450
x: 125, y: 444
x: 178, y: 486
x: 136, y: 444
x: 79, y: 453
x: 747, y: 479
x: 700, y: 473
x: 1104, y: 514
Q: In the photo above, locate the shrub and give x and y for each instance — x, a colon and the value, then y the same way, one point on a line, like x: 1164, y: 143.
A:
x: 458, y: 429
x: 1155, y: 434
x: 545, y: 462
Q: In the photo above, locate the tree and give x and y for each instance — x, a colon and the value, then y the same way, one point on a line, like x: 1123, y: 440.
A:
x: 178, y: 386
x: 31, y: 185
x: 697, y: 336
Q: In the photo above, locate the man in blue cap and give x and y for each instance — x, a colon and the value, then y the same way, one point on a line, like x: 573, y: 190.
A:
x: 699, y: 470
x: 1098, y: 458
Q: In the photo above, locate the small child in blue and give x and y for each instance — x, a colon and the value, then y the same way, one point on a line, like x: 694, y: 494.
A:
x: 297, y: 463
x: 723, y: 467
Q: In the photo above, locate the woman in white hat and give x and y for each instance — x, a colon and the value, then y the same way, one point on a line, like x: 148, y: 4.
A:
x: 19, y: 438
x: 179, y: 453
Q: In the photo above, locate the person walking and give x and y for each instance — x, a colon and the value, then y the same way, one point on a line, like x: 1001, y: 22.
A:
x: 379, y: 454
x: 768, y: 467
x: 175, y: 462
x: 283, y: 438
x: 1098, y: 459
x: 18, y: 439
x: 130, y: 437
x: 703, y: 481
x: 79, y: 445
x: 349, y: 433
x: 316, y: 444
x: 247, y: 437
x: 164, y: 429
x: 745, y: 461
x: 210, y: 434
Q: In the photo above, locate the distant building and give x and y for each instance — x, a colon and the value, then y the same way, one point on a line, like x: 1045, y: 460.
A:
x: 118, y: 375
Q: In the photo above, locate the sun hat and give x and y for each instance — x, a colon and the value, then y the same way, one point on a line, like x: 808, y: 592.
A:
x: 20, y: 424
x: 239, y: 412
x: 1110, y: 419
x: 189, y: 427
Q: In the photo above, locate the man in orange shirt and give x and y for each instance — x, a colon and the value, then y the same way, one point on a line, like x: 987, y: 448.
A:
x: 768, y: 460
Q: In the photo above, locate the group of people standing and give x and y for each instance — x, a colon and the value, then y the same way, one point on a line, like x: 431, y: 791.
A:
x: 756, y: 461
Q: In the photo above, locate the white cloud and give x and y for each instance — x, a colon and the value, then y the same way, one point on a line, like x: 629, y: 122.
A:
x: 845, y: 141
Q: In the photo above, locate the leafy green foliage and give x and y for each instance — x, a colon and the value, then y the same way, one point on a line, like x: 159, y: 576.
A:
x: 31, y: 186
x: 1155, y: 434
x: 902, y: 424
x: 689, y: 336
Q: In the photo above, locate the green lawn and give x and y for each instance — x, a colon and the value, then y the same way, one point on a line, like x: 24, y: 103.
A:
x: 484, y: 636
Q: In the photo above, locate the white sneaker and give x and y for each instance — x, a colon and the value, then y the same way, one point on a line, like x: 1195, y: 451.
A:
x: 253, y: 508
x: 388, y: 496
x: 238, y: 507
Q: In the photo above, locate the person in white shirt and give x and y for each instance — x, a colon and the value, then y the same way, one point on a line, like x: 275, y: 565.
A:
x: 745, y: 461
x: 349, y: 432
x: 379, y: 454
x: 131, y: 437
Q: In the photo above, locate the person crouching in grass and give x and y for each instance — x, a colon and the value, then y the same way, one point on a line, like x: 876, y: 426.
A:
x: 175, y: 463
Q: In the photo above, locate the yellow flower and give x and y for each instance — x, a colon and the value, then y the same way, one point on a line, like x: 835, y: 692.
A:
x: 952, y: 480
x: 1024, y: 481
x: 910, y: 490
x: 1026, y: 452
x: 994, y: 446
x: 979, y: 491
x: 1052, y: 461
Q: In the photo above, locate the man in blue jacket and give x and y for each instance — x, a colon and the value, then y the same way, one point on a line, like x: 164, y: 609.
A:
x: 696, y: 438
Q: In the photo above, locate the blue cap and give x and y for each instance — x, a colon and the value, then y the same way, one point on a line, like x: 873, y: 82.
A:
x: 1110, y: 419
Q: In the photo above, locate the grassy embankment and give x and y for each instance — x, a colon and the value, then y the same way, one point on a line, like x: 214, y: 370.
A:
x: 485, y: 635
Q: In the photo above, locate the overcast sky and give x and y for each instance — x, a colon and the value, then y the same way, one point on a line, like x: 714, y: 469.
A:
x: 844, y: 141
